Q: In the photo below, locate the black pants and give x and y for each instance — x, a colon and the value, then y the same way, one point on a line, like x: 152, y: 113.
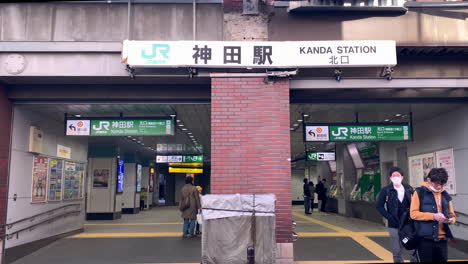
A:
x: 323, y: 204
x: 432, y: 251
x: 142, y: 205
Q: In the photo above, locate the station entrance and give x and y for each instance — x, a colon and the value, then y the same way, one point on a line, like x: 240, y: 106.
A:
x: 105, y: 169
x: 328, y: 142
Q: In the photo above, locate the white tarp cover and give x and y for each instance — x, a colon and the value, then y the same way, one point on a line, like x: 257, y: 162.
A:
x: 227, y: 234
x: 228, y: 205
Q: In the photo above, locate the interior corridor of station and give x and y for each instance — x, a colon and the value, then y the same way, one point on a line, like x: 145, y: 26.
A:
x: 154, y: 237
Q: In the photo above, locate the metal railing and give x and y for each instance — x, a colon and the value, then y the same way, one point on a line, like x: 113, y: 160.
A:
x: 5, y: 227
x: 459, y: 222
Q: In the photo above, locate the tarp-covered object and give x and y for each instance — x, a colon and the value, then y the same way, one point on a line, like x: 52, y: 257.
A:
x: 227, y: 227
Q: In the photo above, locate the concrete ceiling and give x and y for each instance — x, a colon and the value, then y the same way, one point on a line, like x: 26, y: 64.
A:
x: 193, y: 117
x: 196, y: 118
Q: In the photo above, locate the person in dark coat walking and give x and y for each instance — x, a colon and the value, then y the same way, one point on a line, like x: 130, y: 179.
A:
x: 392, y: 201
x: 307, y: 196
x: 321, y: 191
x: 189, y: 206
x: 433, y: 212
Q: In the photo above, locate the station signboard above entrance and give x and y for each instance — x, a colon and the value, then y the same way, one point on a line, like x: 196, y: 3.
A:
x: 358, y: 132
x: 320, y: 156
x: 254, y: 54
x: 120, y: 127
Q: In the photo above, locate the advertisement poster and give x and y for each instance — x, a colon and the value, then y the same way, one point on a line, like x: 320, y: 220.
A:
x: 74, y: 174
x: 120, y: 176
x: 55, y: 179
x: 63, y: 152
x: 101, y: 178
x: 138, y: 187
x: 39, y: 180
x: 419, y: 168
x: 445, y: 160
x: 151, y: 180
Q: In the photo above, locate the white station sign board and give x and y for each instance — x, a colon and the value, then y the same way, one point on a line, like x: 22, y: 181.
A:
x: 255, y: 54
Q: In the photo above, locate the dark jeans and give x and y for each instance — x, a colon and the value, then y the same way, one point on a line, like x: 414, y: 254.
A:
x: 432, y: 251
x: 142, y: 205
x: 307, y: 204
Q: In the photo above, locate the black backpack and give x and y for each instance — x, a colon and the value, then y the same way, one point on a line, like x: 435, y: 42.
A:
x: 407, y: 231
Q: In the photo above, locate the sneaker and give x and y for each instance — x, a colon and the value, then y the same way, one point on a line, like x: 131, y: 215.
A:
x: 190, y: 236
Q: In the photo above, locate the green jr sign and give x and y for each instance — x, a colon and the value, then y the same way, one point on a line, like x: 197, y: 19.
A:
x: 131, y: 127
x: 198, y: 158
x: 370, y: 133
x: 320, y: 156
x: 357, y: 132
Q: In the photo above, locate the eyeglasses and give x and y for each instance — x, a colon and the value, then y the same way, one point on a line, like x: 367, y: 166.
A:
x: 436, y: 184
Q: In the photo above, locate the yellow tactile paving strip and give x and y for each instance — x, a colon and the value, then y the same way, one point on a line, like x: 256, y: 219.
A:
x: 360, y: 238
x: 134, y: 224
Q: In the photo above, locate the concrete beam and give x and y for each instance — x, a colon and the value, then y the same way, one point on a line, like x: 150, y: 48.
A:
x: 57, y: 46
x: 299, y: 84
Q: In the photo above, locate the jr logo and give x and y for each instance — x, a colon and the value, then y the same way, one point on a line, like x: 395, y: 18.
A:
x: 343, y: 130
x: 163, y: 49
x: 102, y: 125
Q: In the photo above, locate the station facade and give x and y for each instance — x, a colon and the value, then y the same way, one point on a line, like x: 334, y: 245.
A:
x: 72, y: 54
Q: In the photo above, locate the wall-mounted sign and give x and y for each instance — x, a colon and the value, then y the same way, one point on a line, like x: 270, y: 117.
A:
x: 78, y: 128
x: 196, y: 158
x: 73, y: 183
x: 101, y: 178
x: 39, y: 179
x: 181, y: 164
x: 120, y: 176
x: 320, y: 156
x: 185, y: 170
x: 138, y: 173
x: 174, y: 158
x: 161, y: 159
x: 55, y: 180
x: 445, y: 159
x: 63, y: 152
x: 136, y: 127
x: 179, y: 159
x: 151, y: 179
x: 254, y: 54
x: 358, y: 132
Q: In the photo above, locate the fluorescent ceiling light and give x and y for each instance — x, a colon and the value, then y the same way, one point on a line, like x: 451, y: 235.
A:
x: 398, y: 115
x: 296, y: 125
x: 306, y: 115
x: 184, y: 129
x: 299, y: 120
x: 77, y: 115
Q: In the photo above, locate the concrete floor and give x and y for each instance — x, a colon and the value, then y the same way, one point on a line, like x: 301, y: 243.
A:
x: 154, y: 236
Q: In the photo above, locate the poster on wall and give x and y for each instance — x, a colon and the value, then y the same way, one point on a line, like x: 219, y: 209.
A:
x: 101, y: 178
x: 39, y: 180
x: 151, y: 180
x: 138, y: 186
x: 120, y: 176
x: 445, y: 159
x: 55, y: 179
x: 419, y: 167
x: 74, y: 174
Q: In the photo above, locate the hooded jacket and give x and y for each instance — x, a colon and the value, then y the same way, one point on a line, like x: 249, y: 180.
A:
x: 423, y: 212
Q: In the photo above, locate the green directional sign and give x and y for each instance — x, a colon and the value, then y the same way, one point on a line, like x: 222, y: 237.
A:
x: 194, y: 158
x: 369, y: 133
x: 320, y: 156
x: 131, y: 127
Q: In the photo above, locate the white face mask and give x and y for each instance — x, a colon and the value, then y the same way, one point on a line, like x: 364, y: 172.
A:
x: 396, y: 180
x: 434, y: 189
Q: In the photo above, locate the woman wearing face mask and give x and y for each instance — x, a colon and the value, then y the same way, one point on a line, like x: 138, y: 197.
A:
x: 433, y: 211
x: 393, y: 200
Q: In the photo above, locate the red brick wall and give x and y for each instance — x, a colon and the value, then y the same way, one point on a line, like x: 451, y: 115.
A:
x: 232, y: 5
x: 5, y: 121
x: 250, y: 142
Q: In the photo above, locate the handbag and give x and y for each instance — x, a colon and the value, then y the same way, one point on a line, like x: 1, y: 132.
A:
x: 199, y: 218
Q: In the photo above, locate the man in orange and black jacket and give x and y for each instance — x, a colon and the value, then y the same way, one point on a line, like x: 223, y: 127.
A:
x: 433, y: 213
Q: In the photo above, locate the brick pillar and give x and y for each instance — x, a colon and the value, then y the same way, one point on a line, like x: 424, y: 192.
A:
x: 5, y: 120
x: 250, y: 142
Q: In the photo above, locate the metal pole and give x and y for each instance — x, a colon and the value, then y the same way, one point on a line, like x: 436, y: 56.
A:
x: 194, y: 20
x: 129, y: 18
